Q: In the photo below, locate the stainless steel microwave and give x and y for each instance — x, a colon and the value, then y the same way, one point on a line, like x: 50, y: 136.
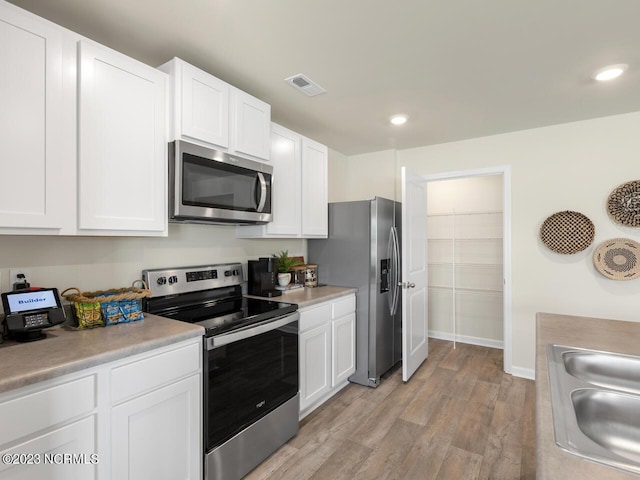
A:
x: 210, y: 186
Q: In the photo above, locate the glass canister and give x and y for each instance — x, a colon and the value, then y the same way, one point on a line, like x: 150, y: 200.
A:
x: 311, y: 276
x: 298, y: 275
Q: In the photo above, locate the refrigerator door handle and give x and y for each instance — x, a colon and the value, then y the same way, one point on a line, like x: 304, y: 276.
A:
x: 395, y: 265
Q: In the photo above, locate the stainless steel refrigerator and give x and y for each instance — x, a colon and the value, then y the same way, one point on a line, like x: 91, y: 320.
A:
x: 363, y: 251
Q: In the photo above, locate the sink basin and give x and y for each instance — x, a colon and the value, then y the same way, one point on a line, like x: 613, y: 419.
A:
x: 608, y: 370
x: 610, y: 419
x: 595, y: 402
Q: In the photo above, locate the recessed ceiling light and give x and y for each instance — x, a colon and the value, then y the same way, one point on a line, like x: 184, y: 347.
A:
x: 399, y: 119
x: 610, y: 72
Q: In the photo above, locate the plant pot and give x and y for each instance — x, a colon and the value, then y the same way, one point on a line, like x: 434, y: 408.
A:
x: 284, y: 279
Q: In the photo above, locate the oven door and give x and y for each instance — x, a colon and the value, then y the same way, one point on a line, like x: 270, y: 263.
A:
x: 249, y: 373
x: 209, y: 186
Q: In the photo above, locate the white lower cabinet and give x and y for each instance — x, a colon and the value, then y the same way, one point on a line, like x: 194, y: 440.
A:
x: 138, y: 418
x: 153, y: 435
x: 327, y: 350
x: 315, y: 364
x: 343, y: 360
x: 43, y: 457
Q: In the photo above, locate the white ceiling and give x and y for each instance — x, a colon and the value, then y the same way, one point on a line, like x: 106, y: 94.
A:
x: 459, y: 68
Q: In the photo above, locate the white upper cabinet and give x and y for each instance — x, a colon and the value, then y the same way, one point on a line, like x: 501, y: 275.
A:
x: 200, y: 104
x: 83, y: 134
x: 299, y: 192
x: 250, y: 125
x: 286, y: 151
x: 32, y: 166
x: 122, y: 149
x: 208, y: 111
x: 315, y: 212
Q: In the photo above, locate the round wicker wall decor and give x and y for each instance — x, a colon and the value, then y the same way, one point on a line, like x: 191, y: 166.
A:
x: 567, y: 232
x: 618, y: 259
x: 623, y: 204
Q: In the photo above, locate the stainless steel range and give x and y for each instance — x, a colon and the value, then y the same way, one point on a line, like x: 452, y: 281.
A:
x: 251, y: 398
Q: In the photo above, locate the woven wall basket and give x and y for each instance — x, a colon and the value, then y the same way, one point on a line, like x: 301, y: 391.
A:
x: 623, y: 204
x: 618, y: 259
x: 567, y: 232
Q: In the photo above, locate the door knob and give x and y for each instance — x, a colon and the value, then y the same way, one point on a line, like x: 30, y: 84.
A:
x: 411, y: 285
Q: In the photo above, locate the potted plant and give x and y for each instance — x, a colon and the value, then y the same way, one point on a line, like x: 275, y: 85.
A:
x: 284, y: 264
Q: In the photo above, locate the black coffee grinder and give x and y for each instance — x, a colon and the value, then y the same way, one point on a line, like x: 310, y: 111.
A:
x: 263, y: 277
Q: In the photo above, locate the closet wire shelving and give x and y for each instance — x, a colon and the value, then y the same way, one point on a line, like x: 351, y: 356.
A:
x: 484, y: 275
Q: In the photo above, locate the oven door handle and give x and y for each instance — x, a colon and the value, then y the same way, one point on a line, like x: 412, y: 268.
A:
x: 251, y: 331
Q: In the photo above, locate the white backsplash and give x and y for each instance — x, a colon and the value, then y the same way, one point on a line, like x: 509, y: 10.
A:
x: 98, y: 263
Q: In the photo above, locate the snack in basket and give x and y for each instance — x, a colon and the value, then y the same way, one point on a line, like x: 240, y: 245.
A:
x: 106, y: 307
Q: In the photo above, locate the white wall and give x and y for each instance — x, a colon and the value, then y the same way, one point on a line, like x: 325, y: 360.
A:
x: 97, y: 263
x: 473, y: 194
x: 572, y: 166
x: 339, y: 174
x: 362, y: 177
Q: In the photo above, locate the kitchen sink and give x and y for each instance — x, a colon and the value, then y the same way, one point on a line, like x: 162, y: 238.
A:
x: 608, y: 370
x: 595, y: 402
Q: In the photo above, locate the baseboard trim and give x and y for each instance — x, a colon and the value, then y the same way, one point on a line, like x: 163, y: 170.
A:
x: 528, y: 373
x: 483, y: 342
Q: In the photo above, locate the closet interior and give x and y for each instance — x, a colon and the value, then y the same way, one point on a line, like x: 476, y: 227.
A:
x: 465, y: 262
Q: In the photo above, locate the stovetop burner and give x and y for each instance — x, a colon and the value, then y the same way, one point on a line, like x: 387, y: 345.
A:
x: 210, y: 296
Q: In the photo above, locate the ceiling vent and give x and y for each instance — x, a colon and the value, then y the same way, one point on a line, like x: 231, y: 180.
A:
x: 305, y: 85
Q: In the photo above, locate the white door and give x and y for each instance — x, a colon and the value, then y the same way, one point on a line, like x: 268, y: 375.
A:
x: 414, y: 273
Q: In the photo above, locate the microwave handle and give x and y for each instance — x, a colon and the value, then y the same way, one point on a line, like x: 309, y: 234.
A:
x: 263, y: 192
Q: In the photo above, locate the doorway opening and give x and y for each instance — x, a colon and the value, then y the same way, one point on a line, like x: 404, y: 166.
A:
x: 469, y: 257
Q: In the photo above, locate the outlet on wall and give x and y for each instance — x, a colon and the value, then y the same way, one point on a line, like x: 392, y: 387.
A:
x: 13, y: 276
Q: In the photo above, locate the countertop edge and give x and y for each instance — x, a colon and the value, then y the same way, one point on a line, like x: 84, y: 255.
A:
x: 158, y: 332
x: 307, y: 297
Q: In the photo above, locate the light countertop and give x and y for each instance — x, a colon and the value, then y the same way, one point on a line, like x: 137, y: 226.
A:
x: 585, y: 332
x: 306, y: 297
x: 66, y: 350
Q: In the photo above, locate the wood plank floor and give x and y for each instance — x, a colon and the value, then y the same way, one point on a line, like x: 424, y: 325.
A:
x: 459, y: 417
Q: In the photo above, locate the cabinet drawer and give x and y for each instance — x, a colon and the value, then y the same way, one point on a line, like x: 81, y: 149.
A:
x: 77, y: 438
x: 344, y: 306
x: 315, y: 317
x: 45, y: 408
x: 151, y: 372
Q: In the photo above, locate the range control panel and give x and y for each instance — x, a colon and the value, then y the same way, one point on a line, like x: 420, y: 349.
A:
x: 172, y: 281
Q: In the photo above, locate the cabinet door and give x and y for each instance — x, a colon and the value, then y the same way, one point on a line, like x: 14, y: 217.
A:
x: 286, y: 189
x: 31, y: 165
x: 314, y: 189
x: 78, y: 439
x: 343, y: 337
x: 251, y: 120
x: 122, y: 155
x: 158, y: 435
x: 204, y: 101
x: 315, y: 364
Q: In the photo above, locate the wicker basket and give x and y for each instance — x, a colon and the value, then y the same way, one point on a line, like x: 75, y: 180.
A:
x: 567, y: 232
x: 106, y: 307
